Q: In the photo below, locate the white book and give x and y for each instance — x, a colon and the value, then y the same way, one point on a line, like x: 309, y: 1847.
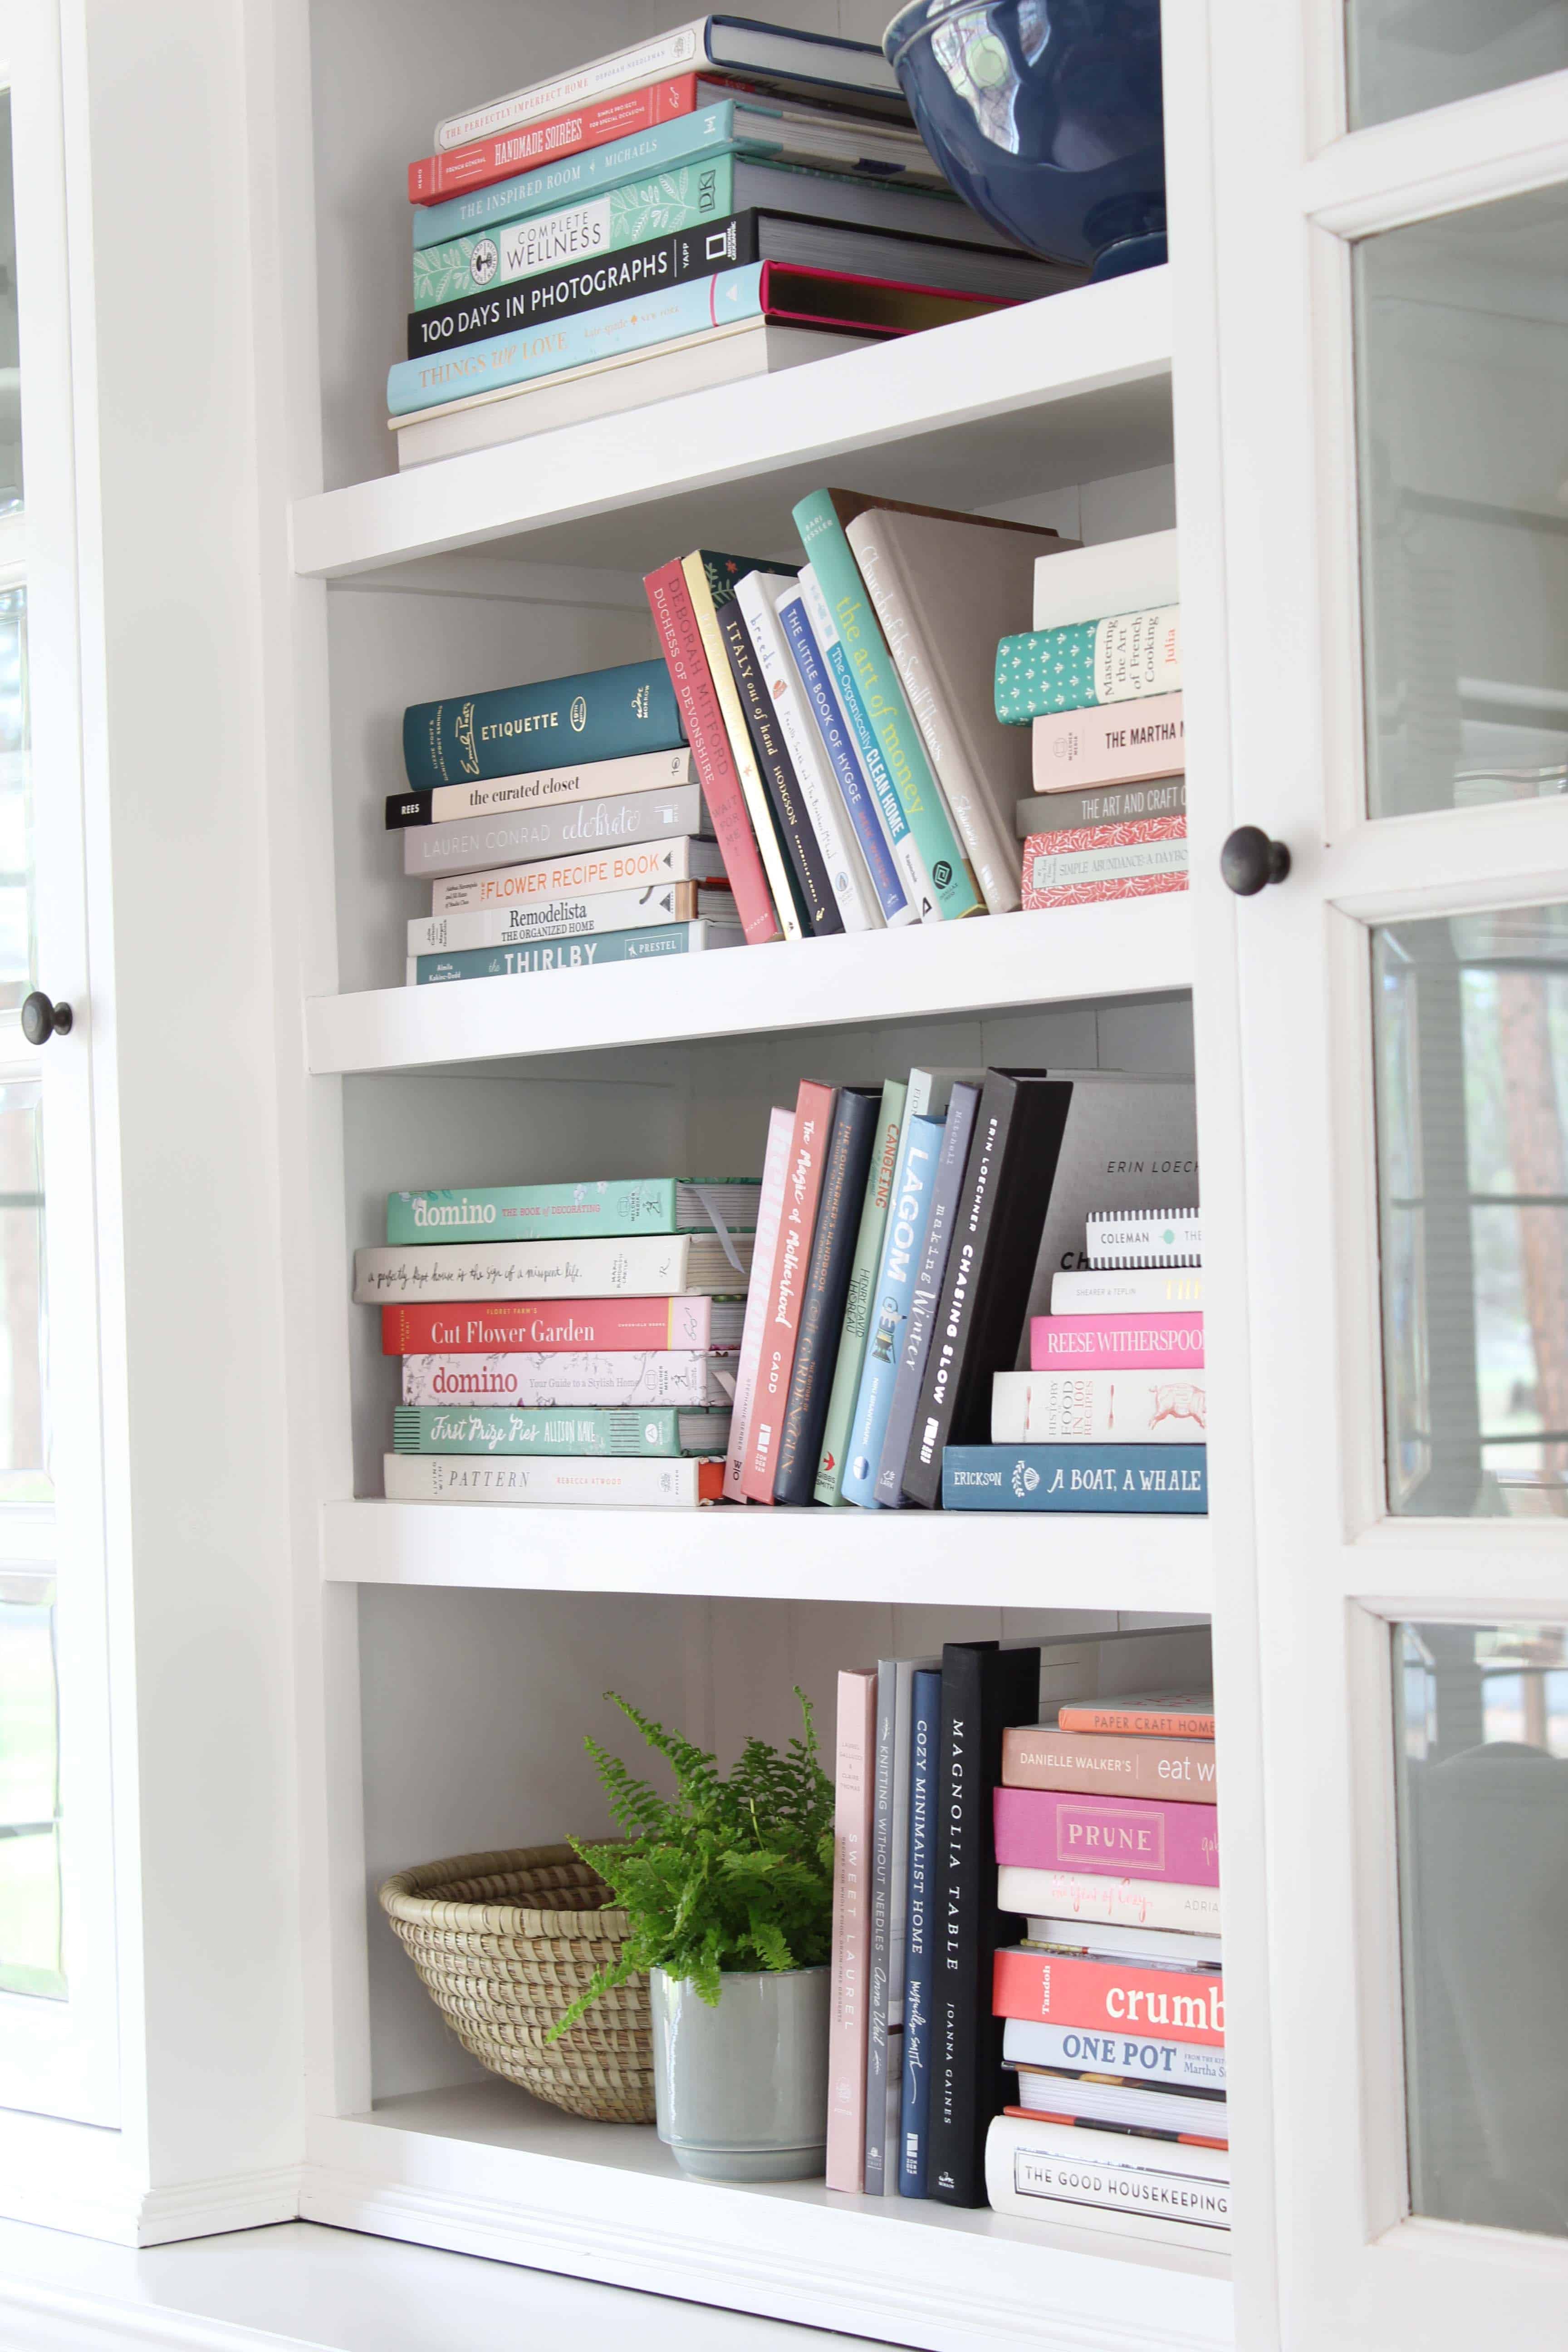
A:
x: 734, y: 353
x: 647, y: 1265
x: 1117, y: 2102
x: 587, y: 873
x: 540, y: 1478
x: 1081, y: 1896
x: 913, y: 868
x: 1094, y: 2050
x: 1152, y: 1238
x: 1122, y: 1408
x: 1036, y: 2172
x: 626, y: 1377
x: 756, y: 595
x: 1153, y: 1290
x: 1174, y: 1948
x: 1120, y: 575
x: 522, y: 959
x: 595, y: 780
x: 764, y: 1240
x: 571, y: 914
x: 1115, y: 2152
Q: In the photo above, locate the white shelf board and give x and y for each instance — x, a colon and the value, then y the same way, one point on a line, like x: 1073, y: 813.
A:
x: 1000, y: 1559
x: 1130, y: 946
x: 483, y: 2167
x: 1063, y: 390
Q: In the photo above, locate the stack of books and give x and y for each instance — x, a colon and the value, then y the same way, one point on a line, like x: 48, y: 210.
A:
x: 1098, y: 685
x: 902, y: 1233
x: 606, y: 856
x: 1112, y: 1414
x: 562, y: 1343
x: 719, y: 201
x: 1105, y: 1838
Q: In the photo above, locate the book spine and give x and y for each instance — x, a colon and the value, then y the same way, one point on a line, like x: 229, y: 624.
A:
x: 925, y: 1732
x: 1127, y: 657
x: 586, y: 875
x: 813, y: 892
x: 1116, y: 1342
x: 599, y: 780
x: 604, y: 714
x: 1116, y: 1478
x: 484, y: 160
x: 500, y: 1429
x: 652, y: 1266
x: 1172, y: 1722
x: 1178, y: 2066
x: 851, y: 1843
x: 968, y: 804
x: 879, y: 1930
x: 905, y: 850
x: 669, y: 600
x: 1144, y: 1238
x: 1078, y: 812
x: 1114, y: 861
x: 566, y: 1380
x: 1129, y: 1292
x: 769, y: 1215
x: 781, y: 1301
x: 1105, y: 1408
x: 1115, y: 1837
x: 1194, y: 2154
x: 897, y: 1914
x: 564, y: 1211
x: 706, y: 606
x: 688, y: 197
x: 504, y: 362
x: 826, y: 1282
x: 1114, y: 746
x: 1038, y: 2183
x: 909, y: 1212
x: 660, y: 1325
x: 572, y: 178
x: 1108, y: 1996
x: 858, y: 909
x: 850, y: 1359
x: 898, y: 737
x: 847, y: 776
x: 574, y: 915
x: 1181, y: 1770
x: 474, y: 846
x: 956, y: 1132
x: 522, y: 961
x: 539, y: 1479
x: 1080, y: 1895
x: 674, y: 52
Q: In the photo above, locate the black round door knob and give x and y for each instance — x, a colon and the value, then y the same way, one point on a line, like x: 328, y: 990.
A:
x: 41, y: 1020
x: 1251, y: 861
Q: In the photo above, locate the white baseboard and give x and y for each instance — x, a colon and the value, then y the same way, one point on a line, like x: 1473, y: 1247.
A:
x: 201, y: 2209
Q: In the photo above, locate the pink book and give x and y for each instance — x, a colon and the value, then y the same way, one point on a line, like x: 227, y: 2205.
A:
x: 1114, y: 1837
x: 1116, y: 1343
x: 770, y: 1210
x: 1119, y: 743
x: 780, y: 1300
x: 853, y: 1791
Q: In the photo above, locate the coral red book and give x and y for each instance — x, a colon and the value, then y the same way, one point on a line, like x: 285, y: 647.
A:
x: 575, y: 1325
x: 787, y: 1284
x: 1140, y: 1718
x: 524, y: 149
x: 1135, y: 860
x: 1177, y: 2004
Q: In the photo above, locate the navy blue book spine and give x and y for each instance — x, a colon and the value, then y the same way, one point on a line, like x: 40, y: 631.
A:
x: 597, y: 714
x: 925, y: 1725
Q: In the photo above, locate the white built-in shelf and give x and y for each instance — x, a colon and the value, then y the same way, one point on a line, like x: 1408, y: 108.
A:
x: 483, y: 2167
x: 1066, y: 390
x: 1062, y: 955
x: 993, y: 1559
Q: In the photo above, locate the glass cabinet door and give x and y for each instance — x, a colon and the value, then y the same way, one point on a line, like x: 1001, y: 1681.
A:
x: 1392, y: 327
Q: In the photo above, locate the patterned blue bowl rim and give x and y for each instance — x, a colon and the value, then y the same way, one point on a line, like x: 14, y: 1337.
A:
x: 918, y: 17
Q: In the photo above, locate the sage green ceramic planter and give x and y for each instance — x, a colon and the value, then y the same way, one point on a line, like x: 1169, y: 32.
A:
x: 741, y: 2091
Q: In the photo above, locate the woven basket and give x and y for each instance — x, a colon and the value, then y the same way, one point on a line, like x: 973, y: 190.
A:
x: 504, y: 1943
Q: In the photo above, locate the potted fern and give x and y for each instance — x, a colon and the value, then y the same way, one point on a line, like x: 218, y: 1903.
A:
x: 727, y: 1885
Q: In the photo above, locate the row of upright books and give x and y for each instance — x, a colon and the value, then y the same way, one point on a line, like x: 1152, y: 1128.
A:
x: 1027, y: 1986
x: 846, y: 745
x: 713, y: 204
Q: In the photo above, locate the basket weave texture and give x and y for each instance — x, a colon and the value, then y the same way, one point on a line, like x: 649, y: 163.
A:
x: 504, y: 1943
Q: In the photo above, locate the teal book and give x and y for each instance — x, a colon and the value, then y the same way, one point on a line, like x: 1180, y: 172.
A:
x: 528, y: 957
x: 607, y: 222
x: 909, y: 1212
x: 588, y: 172
x: 1080, y: 1477
x: 636, y: 1204
x: 820, y: 524
x: 598, y: 714
x: 656, y: 1430
x: 1123, y: 658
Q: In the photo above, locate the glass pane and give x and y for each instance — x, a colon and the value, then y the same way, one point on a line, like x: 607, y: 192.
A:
x: 1404, y: 55
x: 1481, y: 1762
x: 18, y: 936
x: 1471, y: 1020
x: 30, y: 1957
x: 1461, y: 332
x: 10, y: 349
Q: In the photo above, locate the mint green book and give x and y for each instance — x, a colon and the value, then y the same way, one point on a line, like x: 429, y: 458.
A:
x: 636, y: 1204
x: 583, y: 232
x: 830, y: 1487
x: 820, y: 520
x: 594, y: 1430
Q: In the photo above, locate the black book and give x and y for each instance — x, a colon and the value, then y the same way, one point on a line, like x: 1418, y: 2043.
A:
x: 985, y: 1289
x: 839, y: 1207
x: 813, y: 894
x: 985, y: 1690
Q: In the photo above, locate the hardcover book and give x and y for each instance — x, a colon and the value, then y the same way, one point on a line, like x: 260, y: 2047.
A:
x: 573, y: 915
x: 638, y: 1204
x: 1128, y: 2106
x: 785, y: 1283
x: 648, y: 1266
x: 562, y: 1378
x: 592, y: 779
x: 1144, y: 1238
x: 595, y: 714
x: 849, y: 1360
x: 586, y: 873
x: 846, y: 2038
x: 1125, y: 1291
x: 1159, y: 1840
x: 1080, y: 811
x: 957, y: 1130
x: 711, y: 579
x: 1075, y: 1477
x: 1128, y: 657
x: 1131, y: 2057
x: 913, y: 874
x: 1040, y: 2182
x: 1105, y: 1408
x: 909, y: 1213
x: 833, y: 738
x: 525, y: 961
x: 1116, y: 1342
x: 1179, y: 2004
x: 878, y: 1937
x: 920, y: 1919
x: 1088, y: 1901
x: 582, y: 1325
x: 826, y: 1283
x: 543, y: 1478
x: 813, y: 888
x: 588, y: 1430
x: 1156, y: 1717
x: 1103, y: 753
x: 1115, y: 576
x: 1109, y: 861
x: 499, y: 156
x: 764, y: 1248
x: 1098, y: 1764
x: 475, y: 845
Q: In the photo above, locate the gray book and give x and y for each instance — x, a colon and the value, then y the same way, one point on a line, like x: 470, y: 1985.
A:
x: 945, y: 1186
x: 879, y: 1929
x: 471, y: 845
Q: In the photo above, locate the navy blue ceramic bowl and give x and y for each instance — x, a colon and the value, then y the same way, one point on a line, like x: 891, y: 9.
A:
x: 1045, y: 115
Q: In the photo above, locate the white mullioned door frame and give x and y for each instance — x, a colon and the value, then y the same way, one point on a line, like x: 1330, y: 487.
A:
x: 1291, y: 193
